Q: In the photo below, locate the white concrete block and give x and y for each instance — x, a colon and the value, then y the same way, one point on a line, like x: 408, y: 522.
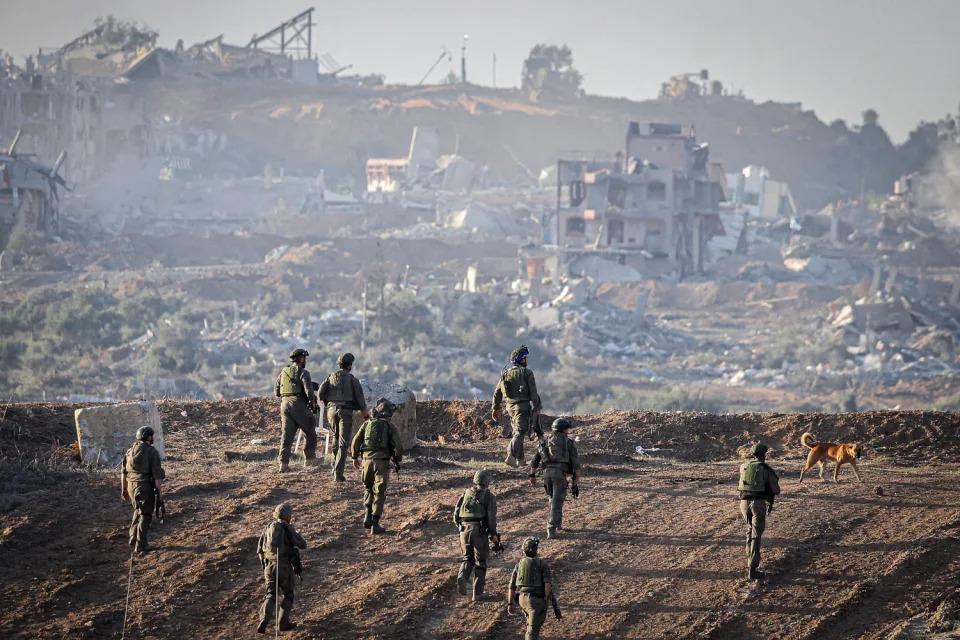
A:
x: 405, y: 419
x: 105, y: 433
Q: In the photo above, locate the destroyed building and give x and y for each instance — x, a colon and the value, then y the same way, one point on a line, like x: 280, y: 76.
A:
x: 28, y: 191
x: 653, y: 212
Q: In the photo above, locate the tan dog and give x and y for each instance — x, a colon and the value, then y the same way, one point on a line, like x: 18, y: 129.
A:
x: 840, y: 453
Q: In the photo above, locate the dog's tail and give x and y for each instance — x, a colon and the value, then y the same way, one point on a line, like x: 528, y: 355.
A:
x: 807, y: 440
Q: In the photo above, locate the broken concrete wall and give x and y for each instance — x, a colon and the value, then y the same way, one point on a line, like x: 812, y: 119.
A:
x: 106, y: 432
x: 405, y: 419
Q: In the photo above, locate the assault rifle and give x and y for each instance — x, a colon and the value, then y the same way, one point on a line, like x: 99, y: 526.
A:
x: 396, y: 466
x: 159, y: 509
x: 295, y: 561
x: 556, y: 607
x: 498, y: 547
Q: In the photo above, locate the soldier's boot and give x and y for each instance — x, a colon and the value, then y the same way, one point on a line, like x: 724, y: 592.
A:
x: 755, y: 574
x: 511, y: 462
x: 312, y: 462
x: 368, y: 517
x: 290, y: 626
x: 144, y: 548
x: 479, y: 582
x: 375, y: 527
x: 551, y: 532
x: 464, y: 577
x: 262, y: 627
x: 284, y: 467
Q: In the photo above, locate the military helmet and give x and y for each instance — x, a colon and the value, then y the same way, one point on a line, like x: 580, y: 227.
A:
x: 144, y: 432
x: 346, y: 360
x: 561, y: 424
x: 519, y: 354
x: 384, y: 408
x: 296, y: 353
x: 482, y: 477
x: 759, y: 449
x: 283, y: 511
x: 531, y: 545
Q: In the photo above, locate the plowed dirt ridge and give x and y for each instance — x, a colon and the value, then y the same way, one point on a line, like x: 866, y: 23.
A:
x: 654, y: 546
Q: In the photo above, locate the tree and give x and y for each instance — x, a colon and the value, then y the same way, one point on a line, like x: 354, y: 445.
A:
x: 549, y: 69
x: 450, y: 78
x: 870, y: 117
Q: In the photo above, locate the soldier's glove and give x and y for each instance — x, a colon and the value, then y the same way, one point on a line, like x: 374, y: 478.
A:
x: 575, y: 491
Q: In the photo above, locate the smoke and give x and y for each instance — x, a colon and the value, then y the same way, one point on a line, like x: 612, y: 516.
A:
x: 942, y: 181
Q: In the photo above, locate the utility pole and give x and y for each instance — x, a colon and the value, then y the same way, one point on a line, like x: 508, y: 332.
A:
x: 494, y: 71
x: 363, y: 317
x: 463, y: 59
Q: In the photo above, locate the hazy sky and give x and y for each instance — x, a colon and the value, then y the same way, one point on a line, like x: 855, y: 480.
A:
x: 836, y: 56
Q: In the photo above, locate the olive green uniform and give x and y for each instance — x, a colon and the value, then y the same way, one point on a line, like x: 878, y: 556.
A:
x: 758, y: 486
x: 140, y: 467
x: 476, y: 517
x: 529, y: 579
x: 295, y: 389
x: 276, y: 545
x: 517, y: 388
x: 342, y: 394
x: 559, y: 456
x: 377, y: 440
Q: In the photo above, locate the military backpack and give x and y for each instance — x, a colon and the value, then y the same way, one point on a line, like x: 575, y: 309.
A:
x: 530, y: 574
x: 376, y: 436
x: 557, y: 450
x: 474, y: 505
x: 515, y: 384
x: 291, y: 383
x: 753, y: 477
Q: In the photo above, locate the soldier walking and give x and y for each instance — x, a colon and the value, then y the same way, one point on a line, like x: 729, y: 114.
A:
x: 759, y: 486
x: 476, y: 518
x: 558, y: 456
x: 342, y: 394
x: 141, y: 475
x: 530, y: 583
x: 298, y: 402
x: 378, y: 441
x: 518, y: 389
x: 279, y: 553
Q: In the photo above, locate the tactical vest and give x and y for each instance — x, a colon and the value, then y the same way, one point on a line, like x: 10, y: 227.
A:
x: 290, y: 382
x: 138, y: 463
x: 557, y: 450
x: 515, y: 386
x: 474, y: 505
x: 340, y: 391
x: 753, y: 477
x: 376, y: 436
x: 530, y: 575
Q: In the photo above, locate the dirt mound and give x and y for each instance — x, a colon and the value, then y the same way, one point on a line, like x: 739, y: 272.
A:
x: 32, y: 429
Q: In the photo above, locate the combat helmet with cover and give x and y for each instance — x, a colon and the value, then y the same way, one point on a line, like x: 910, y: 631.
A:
x: 143, y: 433
x: 296, y: 353
x: 482, y: 477
x: 561, y: 424
x: 346, y: 360
x: 283, y: 511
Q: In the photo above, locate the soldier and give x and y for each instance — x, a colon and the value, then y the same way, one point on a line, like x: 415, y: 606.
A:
x: 476, y: 517
x: 759, y: 486
x: 342, y: 394
x: 141, y: 473
x: 298, y: 400
x: 559, y: 456
x: 279, y: 554
x: 379, y: 442
x: 531, y: 579
x: 518, y: 388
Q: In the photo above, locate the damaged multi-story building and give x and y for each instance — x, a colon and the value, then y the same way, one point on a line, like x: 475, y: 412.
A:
x: 653, y: 209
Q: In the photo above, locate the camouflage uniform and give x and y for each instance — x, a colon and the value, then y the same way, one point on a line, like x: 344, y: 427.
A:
x: 295, y: 388
x: 759, y: 486
x: 558, y: 455
x: 476, y: 517
x: 342, y: 394
x: 529, y: 578
x: 377, y: 441
x: 141, y: 468
x: 277, y: 547
x: 518, y: 389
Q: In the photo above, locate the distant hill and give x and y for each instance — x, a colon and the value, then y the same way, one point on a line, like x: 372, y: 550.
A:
x: 305, y: 128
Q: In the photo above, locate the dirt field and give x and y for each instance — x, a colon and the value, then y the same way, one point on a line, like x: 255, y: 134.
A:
x: 653, y: 549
